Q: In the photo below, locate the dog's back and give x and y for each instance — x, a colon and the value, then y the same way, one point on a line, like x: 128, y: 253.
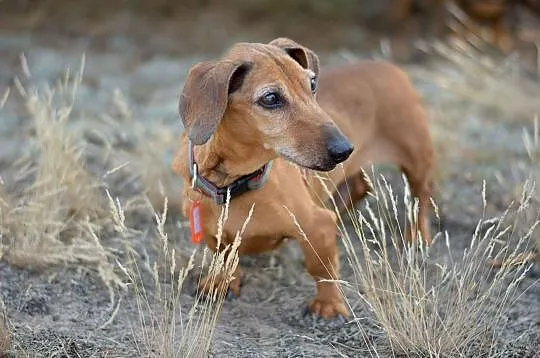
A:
x: 362, y: 89
x: 374, y: 103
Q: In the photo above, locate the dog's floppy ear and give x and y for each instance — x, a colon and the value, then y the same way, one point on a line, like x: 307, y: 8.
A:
x: 304, y: 56
x: 205, y: 95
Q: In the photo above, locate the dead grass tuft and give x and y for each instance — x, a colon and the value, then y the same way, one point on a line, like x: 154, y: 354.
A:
x: 56, y: 213
x: 436, y: 304
x: 531, y: 140
x: 174, y: 324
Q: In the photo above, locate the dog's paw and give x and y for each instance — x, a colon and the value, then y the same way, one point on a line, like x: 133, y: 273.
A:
x: 230, y: 296
x: 211, y: 284
x: 328, y: 308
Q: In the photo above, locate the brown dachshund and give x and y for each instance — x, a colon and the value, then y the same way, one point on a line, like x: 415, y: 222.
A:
x: 248, y: 115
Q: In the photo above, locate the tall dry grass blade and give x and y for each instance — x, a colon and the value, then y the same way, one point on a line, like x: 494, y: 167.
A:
x: 5, y: 334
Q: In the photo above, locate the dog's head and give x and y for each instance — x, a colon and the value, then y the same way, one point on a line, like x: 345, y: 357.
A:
x: 264, y: 95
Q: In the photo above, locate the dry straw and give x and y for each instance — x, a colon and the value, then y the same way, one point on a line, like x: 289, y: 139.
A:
x: 172, y: 323
x: 435, y: 304
x: 57, y: 215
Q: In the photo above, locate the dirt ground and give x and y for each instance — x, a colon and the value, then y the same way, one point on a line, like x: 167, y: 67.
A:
x: 65, y: 311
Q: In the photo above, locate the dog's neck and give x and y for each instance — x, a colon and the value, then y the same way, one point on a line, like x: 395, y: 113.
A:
x: 221, y: 164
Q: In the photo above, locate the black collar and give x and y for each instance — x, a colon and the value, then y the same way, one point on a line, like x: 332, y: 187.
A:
x: 249, y: 182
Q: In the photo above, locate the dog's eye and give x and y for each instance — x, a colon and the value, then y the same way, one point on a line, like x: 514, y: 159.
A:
x: 313, y: 83
x: 270, y: 100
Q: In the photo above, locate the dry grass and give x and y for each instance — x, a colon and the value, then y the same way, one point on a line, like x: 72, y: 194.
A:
x: 431, y: 305
x: 441, y: 302
x: 142, y: 159
x: 60, y: 212
x: 531, y: 140
x: 167, y: 329
x: 171, y: 323
x: 55, y: 214
x: 428, y: 302
x: 5, y: 335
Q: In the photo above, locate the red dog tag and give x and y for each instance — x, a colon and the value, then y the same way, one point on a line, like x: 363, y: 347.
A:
x: 195, y: 222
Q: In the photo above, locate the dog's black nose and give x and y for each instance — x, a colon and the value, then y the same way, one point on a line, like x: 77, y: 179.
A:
x: 339, y: 148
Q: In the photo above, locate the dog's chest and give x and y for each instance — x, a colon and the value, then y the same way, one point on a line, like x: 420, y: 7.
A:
x: 260, y: 217
x: 247, y: 213
x: 263, y: 217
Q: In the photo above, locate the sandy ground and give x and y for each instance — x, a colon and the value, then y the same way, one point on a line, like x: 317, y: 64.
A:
x: 60, y: 311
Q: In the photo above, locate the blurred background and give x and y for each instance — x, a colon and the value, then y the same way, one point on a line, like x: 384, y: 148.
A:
x: 188, y: 26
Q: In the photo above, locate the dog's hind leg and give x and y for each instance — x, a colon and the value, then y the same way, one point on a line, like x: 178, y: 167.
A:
x: 414, y: 155
x: 420, y: 182
x: 350, y: 191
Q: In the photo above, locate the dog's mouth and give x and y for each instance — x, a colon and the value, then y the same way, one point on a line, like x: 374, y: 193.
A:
x: 325, y: 167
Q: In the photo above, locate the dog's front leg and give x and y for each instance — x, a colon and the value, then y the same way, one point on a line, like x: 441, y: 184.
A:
x: 321, y: 257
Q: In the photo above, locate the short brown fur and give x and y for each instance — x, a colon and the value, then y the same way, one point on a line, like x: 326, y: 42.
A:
x: 372, y: 103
